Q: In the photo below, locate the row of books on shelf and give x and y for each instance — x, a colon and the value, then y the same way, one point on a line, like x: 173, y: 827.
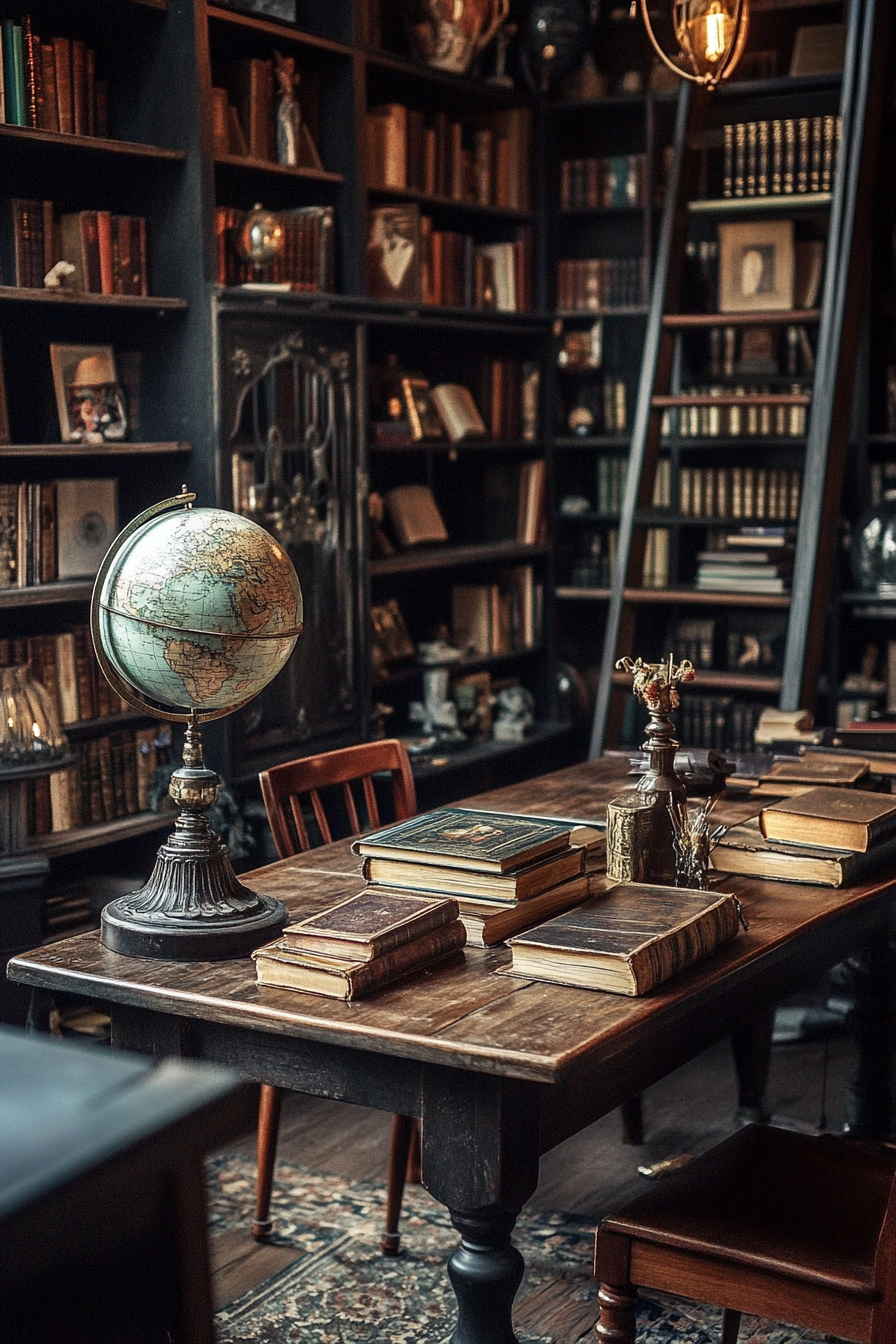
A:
x: 66, y: 666
x: 53, y: 530
x: 482, y: 159
x: 780, y: 157
x: 51, y: 84
x: 407, y: 410
x: 596, y: 284
x: 718, y: 722
x: 408, y: 260
x: 305, y: 260
x: 740, y: 492
x: 107, y: 252
x: 600, y: 407
x: 752, y: 419
x: 245, y: 119
x: 612, y: 473
x: 592, y: 183
x: 749, y: 642
x: 110, y: 781
x: 737, y: 352
x: 748, y: 563
x: 498, y: 617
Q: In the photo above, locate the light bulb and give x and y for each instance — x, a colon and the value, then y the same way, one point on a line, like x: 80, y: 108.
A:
x: 716, y: 21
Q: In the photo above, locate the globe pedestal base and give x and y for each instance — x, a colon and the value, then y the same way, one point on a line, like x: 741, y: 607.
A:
x: 193, y: 908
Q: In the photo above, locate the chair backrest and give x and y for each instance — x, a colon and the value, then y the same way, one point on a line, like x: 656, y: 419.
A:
x: 284, y: 787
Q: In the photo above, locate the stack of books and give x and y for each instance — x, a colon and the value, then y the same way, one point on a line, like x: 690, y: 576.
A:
x: 747, y: 564
x: 506, y: 872
x: 361, y: 944
x: 825, y: 836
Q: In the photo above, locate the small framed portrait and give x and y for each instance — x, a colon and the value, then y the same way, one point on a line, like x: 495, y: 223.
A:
x: 420, y: 412
x: 89, y: 398
x: 756, y: 266
x: 393, y: 252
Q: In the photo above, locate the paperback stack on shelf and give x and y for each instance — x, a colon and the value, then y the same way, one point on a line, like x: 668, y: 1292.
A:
x: 362, y: 943
x: 506, y: 872
x: 749, y: 562
x: 627, y: 941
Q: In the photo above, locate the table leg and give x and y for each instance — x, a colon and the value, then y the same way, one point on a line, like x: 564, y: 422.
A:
x: 872, y: 1024
x: 751, y: 1045
x: 480, y: 1158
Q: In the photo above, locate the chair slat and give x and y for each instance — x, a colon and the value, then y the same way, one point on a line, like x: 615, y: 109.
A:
x: 373, y: 812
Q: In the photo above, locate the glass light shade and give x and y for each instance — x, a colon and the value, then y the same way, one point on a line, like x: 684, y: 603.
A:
x: 873, y: 552
x: 29, y: 728
x: 711, y: 35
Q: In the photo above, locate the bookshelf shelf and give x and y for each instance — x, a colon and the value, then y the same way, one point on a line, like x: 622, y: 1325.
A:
x: 695, y: 598
x: 46, y: 594
x: 721, y: 681
x: 488, y: 446
x: 455, y: 557
x: 785, y: 317
x: 104, y: 833
x: 31, y: 140
x: 568, y: 593
x: 612, y: 443
x: 460, y: 90
x: 633, y: 310
x: 448, y: 203
x: 459, y: 665
x: 152, y: 303
x: 108, y: 723
x: 265, y: 166
x: 13, y: 450
x: 439, y: 762
x: 385, y: 312
x: 282, y: 32
x: 742, y: 205
x: 734, y: 399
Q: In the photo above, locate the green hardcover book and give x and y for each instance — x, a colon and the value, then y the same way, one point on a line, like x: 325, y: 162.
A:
x: 14, y: 73
x: 520, y: 885
x: 628, y: 941
x: 486, y: 842
x: 369, y: 924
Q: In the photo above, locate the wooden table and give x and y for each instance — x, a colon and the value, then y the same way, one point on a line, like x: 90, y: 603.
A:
x: 500, y: 1070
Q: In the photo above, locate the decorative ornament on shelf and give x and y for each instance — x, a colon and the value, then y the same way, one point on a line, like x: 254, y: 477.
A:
x: 711, y: 35
x: 554, y: 40
x: 31, y: 745
x: 873, y: 547
x: 640, y: 834
x: 194, y: 611
x: 260, y: 238
x: 693, y: 842
x: 447, y: 34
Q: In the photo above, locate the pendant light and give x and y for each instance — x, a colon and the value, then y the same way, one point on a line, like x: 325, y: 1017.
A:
x: 710, y: 34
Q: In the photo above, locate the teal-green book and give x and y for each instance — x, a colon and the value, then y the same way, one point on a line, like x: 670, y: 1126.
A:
x: 452, y: 837
x: 13, y: 73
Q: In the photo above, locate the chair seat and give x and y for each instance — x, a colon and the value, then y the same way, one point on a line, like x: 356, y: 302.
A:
x: 807, y: 1207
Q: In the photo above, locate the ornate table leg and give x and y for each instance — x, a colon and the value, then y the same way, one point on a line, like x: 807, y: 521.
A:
x: 872, y: 1024
x: 480, y: 1158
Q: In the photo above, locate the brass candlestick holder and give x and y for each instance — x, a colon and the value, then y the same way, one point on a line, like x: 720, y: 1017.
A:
x: 642, y: 819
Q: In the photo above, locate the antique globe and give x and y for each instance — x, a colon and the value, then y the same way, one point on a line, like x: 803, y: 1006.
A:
x: 194, y: 611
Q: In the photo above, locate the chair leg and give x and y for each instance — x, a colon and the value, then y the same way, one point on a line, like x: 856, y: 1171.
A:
x: 268, y: 1131
x: 730, y: 1326
x: 631, y: 1113
x: 399, y: 1149
x: 616, y: 1323
x: 413, y: 1175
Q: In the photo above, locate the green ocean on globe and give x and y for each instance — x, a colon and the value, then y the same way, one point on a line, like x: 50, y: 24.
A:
x: 200, y: 610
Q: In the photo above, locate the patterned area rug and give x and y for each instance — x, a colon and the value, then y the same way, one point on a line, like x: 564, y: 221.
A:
x: 340, y: 1290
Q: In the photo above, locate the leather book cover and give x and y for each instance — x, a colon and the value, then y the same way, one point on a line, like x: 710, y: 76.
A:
x: 32, y: 72
x: 832, y: 818
x: 116, y: 754
x: 415, y: 515
x: 458, y: 412
x: 79, y: 88
x: 90, y: 82
x: 253, y: 90
x: 49, y: 108
x: 628, y: 940
x: 524, y: 884
x: 104, y: 250
x: 66, y: 670
x: 87, y: 708
x: 745, y: 851
x: 488, y: 842
x: 808, y: 772
x: 63, y: 57
x: 279, y: 965
x: 371, y: 923
x: 106, y: 779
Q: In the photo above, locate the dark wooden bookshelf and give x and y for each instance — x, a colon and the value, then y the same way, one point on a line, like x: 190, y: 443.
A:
x: 47, y: 594
x: 150, y: 303
x: 742, y: 205
x: 94, y: 450
x: 709, y: 679
x: 428, y: 558
x: 281, y: 32
x: 449, y: 203
x: 31, y: 140
x: 782, y: 317
x: 81, y: 838
x: 249, y: 165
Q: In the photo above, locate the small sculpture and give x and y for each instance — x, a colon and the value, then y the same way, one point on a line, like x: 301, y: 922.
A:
x: 437, y: 712
x: 516, y: 714
x: 289, y: 114
x: 504, y: 37
x: 57, y: 275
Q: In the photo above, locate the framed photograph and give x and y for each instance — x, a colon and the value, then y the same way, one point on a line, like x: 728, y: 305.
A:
x: 421, y: 413
x: 756, y: 266
x: 88, y: 395
x: 393, y: 252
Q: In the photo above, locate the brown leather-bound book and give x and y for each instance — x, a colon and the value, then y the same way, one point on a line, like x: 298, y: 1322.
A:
x: 49, y: 108
x: 253, y: 91
x: 415, y: 515
x: 627, y: 941
x: 79, y: 88
x: 102, y: 108
x: 490, y: 922
x: 277, y: 964
x: 116, y: 754
x: 104, y: 250
x: 220, y: 129
x: 62, y: 53
x: 523, y: 884
x: 90, y: 81
x: 33, y: 73
x: 785, y: 778
x: 141, y: 275
x: 43, y: 811
x: 745, y: 851
x: 458, y: 837
x: 375, y: 921
x: 833, y: 818
x: 107, y: 786
x: 66, y: 670
x: 47, y: 506
x: 84, y: 672
x: 129, y: 756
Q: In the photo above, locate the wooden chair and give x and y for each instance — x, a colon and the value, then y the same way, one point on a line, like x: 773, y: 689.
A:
x: 798, y: 1228
x: 284, y: 788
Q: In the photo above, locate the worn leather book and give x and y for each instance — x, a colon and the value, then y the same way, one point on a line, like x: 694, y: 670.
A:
x: 415, y: 516
x: 452, y: 837
x: 520, y: 885
x: 786, y: 778
x: 370, y: 924
x: 833, y: 818
x: 458, y: 411
x: 491, y: 922
x: 627, y: 941
x: 745, y: 851
x: 277, y: 964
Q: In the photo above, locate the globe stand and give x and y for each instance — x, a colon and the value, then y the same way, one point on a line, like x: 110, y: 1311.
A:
x: 193, y: 908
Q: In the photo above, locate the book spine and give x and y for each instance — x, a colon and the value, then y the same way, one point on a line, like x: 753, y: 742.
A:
x: 79, y: 88
x: 49, y: 110
x: 32, y: 73
x: 364, y: 979
x: 63, y: 57
x: 728, y: 172
x: 664, y: 957
x: 380, y: 944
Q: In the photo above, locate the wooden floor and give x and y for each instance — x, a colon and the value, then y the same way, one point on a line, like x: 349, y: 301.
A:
x: 588, y: 1175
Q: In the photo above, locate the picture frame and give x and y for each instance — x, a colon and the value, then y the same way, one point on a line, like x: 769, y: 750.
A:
x: 89, y: 398
x: 421, y: 414
x: 393, y: 253
x: 756, y: 266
